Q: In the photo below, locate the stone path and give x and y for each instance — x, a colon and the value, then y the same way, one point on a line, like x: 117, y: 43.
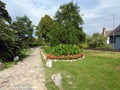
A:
x: 26, y: 75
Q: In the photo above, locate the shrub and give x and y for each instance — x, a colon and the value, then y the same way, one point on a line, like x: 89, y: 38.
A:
x: 47, y: 49
x: 64, y: 49
x: 84, y: 45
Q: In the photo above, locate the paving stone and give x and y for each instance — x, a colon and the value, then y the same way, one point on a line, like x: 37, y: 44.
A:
x: 25, y: 75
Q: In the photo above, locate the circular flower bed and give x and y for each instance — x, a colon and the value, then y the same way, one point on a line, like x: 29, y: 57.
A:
x: 65, y: 57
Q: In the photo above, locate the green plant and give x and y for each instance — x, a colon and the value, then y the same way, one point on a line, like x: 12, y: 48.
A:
x: 47, y: 49
x: 84, y: 45
x: 65, y: 49
x: 100, y: 70
x: 97, y: 41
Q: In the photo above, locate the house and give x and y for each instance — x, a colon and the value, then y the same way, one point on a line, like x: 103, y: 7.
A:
x: 113, y: 37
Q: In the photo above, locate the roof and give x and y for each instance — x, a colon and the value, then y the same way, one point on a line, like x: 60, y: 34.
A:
x: 109, y: 32
x: 116, y: 32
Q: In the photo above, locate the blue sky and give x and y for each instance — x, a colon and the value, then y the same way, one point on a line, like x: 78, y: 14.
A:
x: 96, y: 13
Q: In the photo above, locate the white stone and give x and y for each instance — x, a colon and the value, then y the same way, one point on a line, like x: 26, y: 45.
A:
x: 49, y: 63
x: 56, y: 78
x: 16, y: 58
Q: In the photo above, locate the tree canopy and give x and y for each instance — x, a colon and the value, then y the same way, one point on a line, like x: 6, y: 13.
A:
x: 24, y: 30
x: 44, y: 27
x: 65, y: 28
x: 70, y: 29
x: 14, y: 36
x: 65, y: 35
x: 3, y: 12
x: 69, y: 13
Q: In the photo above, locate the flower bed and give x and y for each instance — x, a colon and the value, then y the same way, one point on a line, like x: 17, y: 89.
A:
x: 65, y: 57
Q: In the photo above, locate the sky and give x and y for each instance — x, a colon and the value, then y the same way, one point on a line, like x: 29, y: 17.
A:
x: 96, y: 14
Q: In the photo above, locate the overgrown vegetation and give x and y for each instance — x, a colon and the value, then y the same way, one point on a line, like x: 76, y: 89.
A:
x: 100, y: 70
x: 15, y: 36
x: 98, y: 41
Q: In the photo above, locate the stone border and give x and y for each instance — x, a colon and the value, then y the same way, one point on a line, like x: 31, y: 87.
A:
x: 44, y: 57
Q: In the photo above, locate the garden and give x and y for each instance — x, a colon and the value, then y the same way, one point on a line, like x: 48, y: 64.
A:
x: 62, y: 38
x: 99, y: 70
x: 63, y: 52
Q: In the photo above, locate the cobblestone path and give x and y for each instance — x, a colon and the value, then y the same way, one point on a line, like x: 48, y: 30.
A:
x: 25, y: 75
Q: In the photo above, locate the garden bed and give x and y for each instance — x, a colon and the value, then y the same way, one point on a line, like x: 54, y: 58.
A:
x: 53, y: 57
x: 68, y: 58
x: 63, y: 52
x: 65, y: 58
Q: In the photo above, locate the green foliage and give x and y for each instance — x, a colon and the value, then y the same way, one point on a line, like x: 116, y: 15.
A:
x: 3, y: 12
x: 7, y: 37
x: 99, y: 70
x: 84, y: 45
x: 66, y: 28
x: 47, y: 49
x: 65, y: 50
x: 107, y: 46
x: 69, y: 13
x: 61, y: 34
x: 44, y: 27
x: 97, y: 41
x: 37, y: 42
x: 7, y: 40
x: 14, y: 37
x: 24, y: 30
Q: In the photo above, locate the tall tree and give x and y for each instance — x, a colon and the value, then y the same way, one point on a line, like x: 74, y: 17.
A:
x: 7, y: 37
x: 70, y: 29
x: 24, y: 30
x: 44, y: 27
x: 65, y: 35
x: 3, y: 12
x: 69, y: 13
x: 7, y: 41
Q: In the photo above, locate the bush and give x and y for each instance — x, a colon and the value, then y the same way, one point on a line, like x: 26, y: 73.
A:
x: 97, y: 41
x: 65, y: 49
x: 47, y: 49
x: 84, y: 45
x: 37, y: 42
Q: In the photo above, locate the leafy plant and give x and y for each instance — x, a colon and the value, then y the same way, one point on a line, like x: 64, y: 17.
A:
x: 47, y: 49
x: 97, y: 41
x: 65, y: 49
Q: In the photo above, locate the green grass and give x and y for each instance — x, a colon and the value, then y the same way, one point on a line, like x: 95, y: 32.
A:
x: 100, y: 70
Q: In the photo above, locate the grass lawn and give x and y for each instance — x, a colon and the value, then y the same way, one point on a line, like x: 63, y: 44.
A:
x: 100, y: 70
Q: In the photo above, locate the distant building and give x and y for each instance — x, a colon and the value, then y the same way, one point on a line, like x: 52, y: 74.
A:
x: 113, y: 37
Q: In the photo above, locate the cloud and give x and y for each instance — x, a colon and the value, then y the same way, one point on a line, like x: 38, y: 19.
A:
x: 101, y: 16
x: 96, y: 13
x: 34, y: 9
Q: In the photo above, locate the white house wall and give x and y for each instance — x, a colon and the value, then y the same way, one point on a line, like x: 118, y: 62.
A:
x: 108, y: 41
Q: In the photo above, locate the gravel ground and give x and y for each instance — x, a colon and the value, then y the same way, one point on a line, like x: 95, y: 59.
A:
x: 25, y: 75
